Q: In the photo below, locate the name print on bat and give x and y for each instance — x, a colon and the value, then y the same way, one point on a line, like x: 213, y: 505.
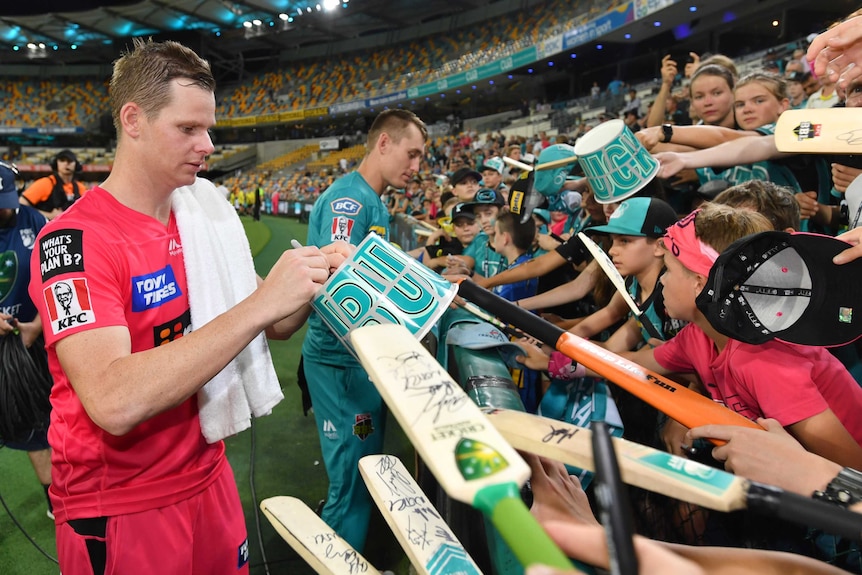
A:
x: 426, y: 379
x: 429, y: 542
x: 354, y: 561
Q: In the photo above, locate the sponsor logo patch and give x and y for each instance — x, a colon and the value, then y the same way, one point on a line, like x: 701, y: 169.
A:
x: 28, y: 237
x: 364, y: 425
x: 174, y: 247
x: 807, y: 131
x: 172, y: 330
x: 8, y: 272
x: 242, y: 554
x: 154, y: 289
x: 341, y: 228
x: 329, y: 430
x: 346, y: 206
x: 68, y: 304
x: 61, y: 252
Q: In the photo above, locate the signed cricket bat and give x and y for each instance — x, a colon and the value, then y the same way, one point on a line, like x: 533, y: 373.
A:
x: 670, y: 475
x: 819, y: 131
x: 470, y: 459
x: 312, y: 539
x: 677, y: 401
x: 423, y: 534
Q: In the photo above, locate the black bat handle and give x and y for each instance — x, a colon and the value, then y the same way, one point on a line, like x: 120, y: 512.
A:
x: 805, y: 511
x: 524, y: 320
x: 614, y: 507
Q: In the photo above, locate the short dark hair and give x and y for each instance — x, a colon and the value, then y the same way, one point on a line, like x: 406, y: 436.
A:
x: 523, y: 234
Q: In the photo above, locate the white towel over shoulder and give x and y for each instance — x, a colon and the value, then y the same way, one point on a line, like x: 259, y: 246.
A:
x: 219, y: 274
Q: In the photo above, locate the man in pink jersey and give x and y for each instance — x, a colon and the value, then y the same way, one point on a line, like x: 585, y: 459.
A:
x: 136, y: 487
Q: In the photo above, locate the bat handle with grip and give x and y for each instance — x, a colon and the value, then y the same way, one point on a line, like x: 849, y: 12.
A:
x: 502, y: 504
x: 524, y: 320
x: 614, y: 507
x: 805, y: 511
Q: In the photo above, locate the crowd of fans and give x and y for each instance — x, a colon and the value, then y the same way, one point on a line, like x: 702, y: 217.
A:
x: 710, y: 124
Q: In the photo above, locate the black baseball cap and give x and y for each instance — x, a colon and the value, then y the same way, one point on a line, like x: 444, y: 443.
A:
x: 488, y: 196
x: 778, y: 285
x: 463, y: 210
x: 66, y: 155
x: 463, y: 174
x: 648, y: 217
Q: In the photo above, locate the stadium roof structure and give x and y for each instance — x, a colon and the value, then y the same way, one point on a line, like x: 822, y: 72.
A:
x: 96, y: 31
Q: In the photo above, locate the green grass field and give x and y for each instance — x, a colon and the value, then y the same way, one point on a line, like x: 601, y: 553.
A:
x: 282, y: 451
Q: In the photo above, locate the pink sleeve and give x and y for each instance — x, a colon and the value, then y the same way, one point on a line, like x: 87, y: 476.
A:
x: 780, y: 382
x: 671, y: 354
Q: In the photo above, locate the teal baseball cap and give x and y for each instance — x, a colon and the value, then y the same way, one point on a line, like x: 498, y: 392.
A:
x: 648, y: 217
x: 494, y: 163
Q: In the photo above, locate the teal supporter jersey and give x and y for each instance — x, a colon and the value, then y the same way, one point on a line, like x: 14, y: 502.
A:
x: 348, y: 210
x: 654, y: 310
x: 488, y: 262
x: 767, y: 170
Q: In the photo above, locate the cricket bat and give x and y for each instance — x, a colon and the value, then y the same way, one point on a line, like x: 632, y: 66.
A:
x: 312, y: 539
x: 423, y: 534
x: 677, y: 401
x: 480, y: 313
x: 556, y: 163
x: 470, y: 459
x: 618, y: 281
x: 819, y: 131
x: 518, y: 164
x: 615, y: 511
x: 670, y: 475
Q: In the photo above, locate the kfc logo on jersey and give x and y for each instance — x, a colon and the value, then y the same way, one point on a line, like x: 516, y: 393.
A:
x: 341, y: 228
x: 68, y: 304
x: 346, y: 206
x: 152, y: 290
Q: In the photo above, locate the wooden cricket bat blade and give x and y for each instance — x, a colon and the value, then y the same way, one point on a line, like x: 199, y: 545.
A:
x: 423, y: 534
x: 682, y: 404
x: 819, y: 131
x: 556, y: 163
x: 673, y: 476
x: 469, y: 458
x: 640, y: 465
x: 312, y: 539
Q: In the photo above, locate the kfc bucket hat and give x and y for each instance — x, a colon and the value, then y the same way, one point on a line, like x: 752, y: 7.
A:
x: 778, y: 285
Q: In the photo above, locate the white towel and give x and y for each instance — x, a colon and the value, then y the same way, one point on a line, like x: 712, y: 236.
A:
x: 219, y: 274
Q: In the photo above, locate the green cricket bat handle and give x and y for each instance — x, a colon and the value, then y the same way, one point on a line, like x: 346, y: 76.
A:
x: 502, y: 504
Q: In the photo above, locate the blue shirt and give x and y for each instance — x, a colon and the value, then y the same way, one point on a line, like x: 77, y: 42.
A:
x: 521, y: 289
x: 348, y: 210
x: 16, y: 247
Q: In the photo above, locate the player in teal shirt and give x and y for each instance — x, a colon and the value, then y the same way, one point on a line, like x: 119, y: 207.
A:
x: 348, y: 410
